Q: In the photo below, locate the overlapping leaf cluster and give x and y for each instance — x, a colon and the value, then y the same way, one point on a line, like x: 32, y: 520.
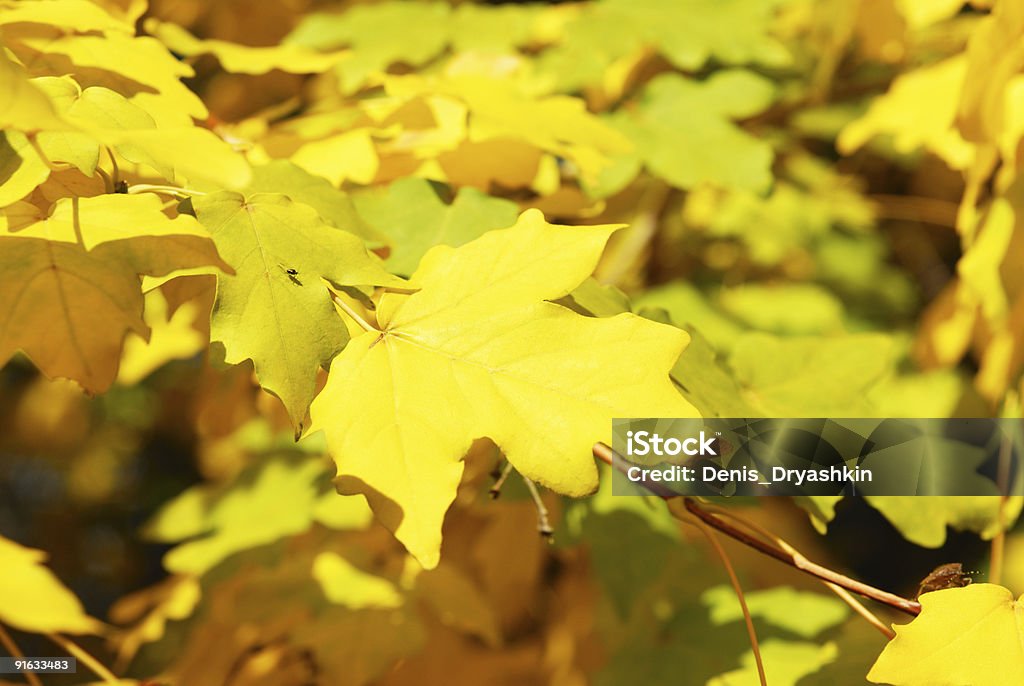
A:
x: 334, y: 219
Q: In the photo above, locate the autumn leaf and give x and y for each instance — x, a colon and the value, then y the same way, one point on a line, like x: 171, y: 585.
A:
x: 416, y: 219
x: 710, y: 148
x: 276, y: 309
x: 377, y: 36
x: 70, y: 289
x: 471, y: 355
x: 279, y: 496
x: 971, y: 635
x: 33, y: 599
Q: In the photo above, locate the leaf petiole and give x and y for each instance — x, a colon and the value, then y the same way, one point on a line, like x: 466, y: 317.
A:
x: 347, y: 309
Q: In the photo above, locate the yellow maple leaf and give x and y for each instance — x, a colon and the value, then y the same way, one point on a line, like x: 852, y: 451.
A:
x: 478, y: 351
x: 33, y: 599
x: 971, y: 635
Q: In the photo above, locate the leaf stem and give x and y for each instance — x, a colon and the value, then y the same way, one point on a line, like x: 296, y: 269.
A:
x: 995, y: 574
x: 843, y: 594
x: 158, y: 188
x: 543, y: 523
x: 12, y: 648
x: 115, y: 171
x: 734, y: 580
x: 85, y: 658
x: 365, y: 325
x: 500, y: 481
x: 910, y: 607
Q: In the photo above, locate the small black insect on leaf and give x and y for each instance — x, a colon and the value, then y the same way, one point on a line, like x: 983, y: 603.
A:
x: 292, y: 272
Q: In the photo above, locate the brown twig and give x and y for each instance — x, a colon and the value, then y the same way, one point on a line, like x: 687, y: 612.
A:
x: 543, y: 523
x: 12, y: 648
x: 995, y: 575
x: 499, y: 481
x: 94, y: 665
x: 910, y: 607
x: 755, y: 646
x: 841, y: 592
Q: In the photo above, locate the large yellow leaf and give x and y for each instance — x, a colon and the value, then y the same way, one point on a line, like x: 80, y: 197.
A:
x: 972, y: 635
x: 478, y: 351
x: 33, y: 599
x: 69, y: 283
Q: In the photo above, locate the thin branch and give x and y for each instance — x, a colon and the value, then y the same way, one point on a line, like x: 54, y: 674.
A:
x: 841, y: 592
x: 910, y: 607
x: 85, y: 658
x: 365, y: 325
x: 500, y: 479
x: 543, y: 523
x: 923, y: 210
x: 734, y: 580
x: 12, y: 648
x: 995, y: 574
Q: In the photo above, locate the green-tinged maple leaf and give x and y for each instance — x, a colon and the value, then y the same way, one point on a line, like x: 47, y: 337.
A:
x: 378, y: 36
x: 821, y: 509
x: 923, y: 520
x: 477, y: 352
x: 276, y: 309
x: 33, y: 599
x: 798, y: 612
x: 244, y: 59
x: 415, y: 218
x: 810, y: 376
x: 277, y: 498
x: 69, y: 283
x: 687, y: 32
x: 493, y: 29
x: 972, y: 635
x: 334, y: 206
x: 345, y: 584
x: 683, y: 131
x: 786, y: 663
x: 788, y: 309
x: 688, y: 307
x: 708, y: 384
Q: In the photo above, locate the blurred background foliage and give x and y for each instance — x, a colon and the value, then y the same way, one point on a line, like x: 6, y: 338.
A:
x: 824, y: 192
